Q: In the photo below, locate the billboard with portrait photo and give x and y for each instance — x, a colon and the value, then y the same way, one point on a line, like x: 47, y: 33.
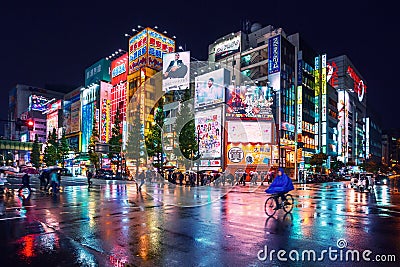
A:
x: 210, y: 88
x: 176, y: 71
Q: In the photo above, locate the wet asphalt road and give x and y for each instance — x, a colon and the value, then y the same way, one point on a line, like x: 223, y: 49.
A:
x: 111, y: 224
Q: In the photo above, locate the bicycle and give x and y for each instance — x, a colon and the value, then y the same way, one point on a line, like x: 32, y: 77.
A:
x: 272, y: 204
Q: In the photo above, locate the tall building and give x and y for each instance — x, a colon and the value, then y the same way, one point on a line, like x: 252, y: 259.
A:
x: 352, y: 111
x: 29, y: 102
x: 373, y: 136
x: 95, y: 102
x: 144, y: 60
x: 72, y: 119
x: 391, y: 147
x: 119, y: 74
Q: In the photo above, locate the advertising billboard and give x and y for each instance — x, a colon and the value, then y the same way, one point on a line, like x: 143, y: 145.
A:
x: 137, y: 51
x: 248, y: 154
x: 210, y: 88
x: 176, y: 71
x: 208, y: 126
x: 53, y: 106
x: 147, y: 48
x: 105, y: 106
x: 274, y: 54
x: 343, y: 121
x: 119, y: 69
x: 51, y: 122
x: 75, y: 115
x: 38, y: 103
x: 100, y: 71
x: 87, y: 125
x: 227, y: 48
x: 249, y: 102
x: 249, y: 131
x: 158, y: 45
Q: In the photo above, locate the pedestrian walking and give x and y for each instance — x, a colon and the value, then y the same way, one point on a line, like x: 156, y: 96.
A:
x: 142, y: 178
x: 244, y: 175
x: 181, y: 177
x: 25, y: 183
x: 54, y: 180
x: 89, y: 176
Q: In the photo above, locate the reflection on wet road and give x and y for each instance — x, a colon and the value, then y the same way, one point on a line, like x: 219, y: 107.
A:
x: 166, y: 225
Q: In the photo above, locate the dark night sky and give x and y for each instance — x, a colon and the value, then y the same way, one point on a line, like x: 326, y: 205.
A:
x: 47, y: 42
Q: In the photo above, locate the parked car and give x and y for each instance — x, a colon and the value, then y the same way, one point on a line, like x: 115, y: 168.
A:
x: 104, y: 174
x: 381, y: 179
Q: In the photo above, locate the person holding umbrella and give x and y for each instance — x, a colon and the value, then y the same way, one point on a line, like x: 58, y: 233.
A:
x: 25, y: 183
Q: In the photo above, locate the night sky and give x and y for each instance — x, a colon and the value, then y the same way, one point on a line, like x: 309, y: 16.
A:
x: 47, y: 42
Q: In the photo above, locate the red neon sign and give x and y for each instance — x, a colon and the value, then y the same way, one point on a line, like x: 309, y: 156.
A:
x: 359, y: 86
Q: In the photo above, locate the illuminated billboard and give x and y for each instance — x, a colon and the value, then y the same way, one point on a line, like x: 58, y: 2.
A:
x: 248, y: 154
x: 38, y: 103
x: 137, y: 51
x: 105, y: 109
x: 208, y: 125
x: 119, y: 69
x: 51, y: 122
x: 158, y: 45
x: 210, y: 88
x: 176, y: 71
x: 100, y: 71
x: 227, y: 47
x: 249, y: 102
x: 343, y: 122
x: 147, y: 48
x: 52, y: 107
x: 87, y: 125
x: 249, y: 131
x: 274, y: 54
x: 75, y: 116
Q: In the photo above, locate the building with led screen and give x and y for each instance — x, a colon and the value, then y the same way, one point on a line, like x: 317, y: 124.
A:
x: 145, y: 55
x: 352, y: 93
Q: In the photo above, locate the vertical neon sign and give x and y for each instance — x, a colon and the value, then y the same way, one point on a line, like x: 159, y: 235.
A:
x: 324, y: 106
x: 316, y: 99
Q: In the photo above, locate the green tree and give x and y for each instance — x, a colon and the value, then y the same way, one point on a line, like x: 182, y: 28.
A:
x: 318, y: 160
x: 134, y: 147
x: 50, y: 151
x: 63, y: 149
x: 336, y: 165
x: 185, y: 124
x: 154, y: 137
x: 94, y: 139
x: 35, y: 155
x: 115, y: 141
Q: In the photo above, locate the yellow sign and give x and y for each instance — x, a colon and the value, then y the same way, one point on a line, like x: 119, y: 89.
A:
x: 248, y: 154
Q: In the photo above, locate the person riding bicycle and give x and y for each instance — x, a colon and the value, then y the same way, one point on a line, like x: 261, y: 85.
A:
x: 280, y: 185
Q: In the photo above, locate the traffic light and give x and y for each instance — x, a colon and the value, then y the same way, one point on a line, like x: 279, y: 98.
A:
x: 30, y: 124
x: 18, y: 124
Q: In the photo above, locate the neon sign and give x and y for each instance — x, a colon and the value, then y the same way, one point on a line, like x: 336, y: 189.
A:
x: 332, y: 74
x: 359, y: 87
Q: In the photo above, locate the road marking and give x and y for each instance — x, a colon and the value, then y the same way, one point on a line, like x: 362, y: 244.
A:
x: 13, y: 218
x: 20, y: 207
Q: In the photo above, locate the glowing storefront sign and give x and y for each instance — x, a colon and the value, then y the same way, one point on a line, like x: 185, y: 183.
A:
x: 323, y: 105
x: 227, y: 48
x: 119, y: 69
x: 248, y: 154
x: 299, y: 109
x: 274, y: 54
x: 137, y: 51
